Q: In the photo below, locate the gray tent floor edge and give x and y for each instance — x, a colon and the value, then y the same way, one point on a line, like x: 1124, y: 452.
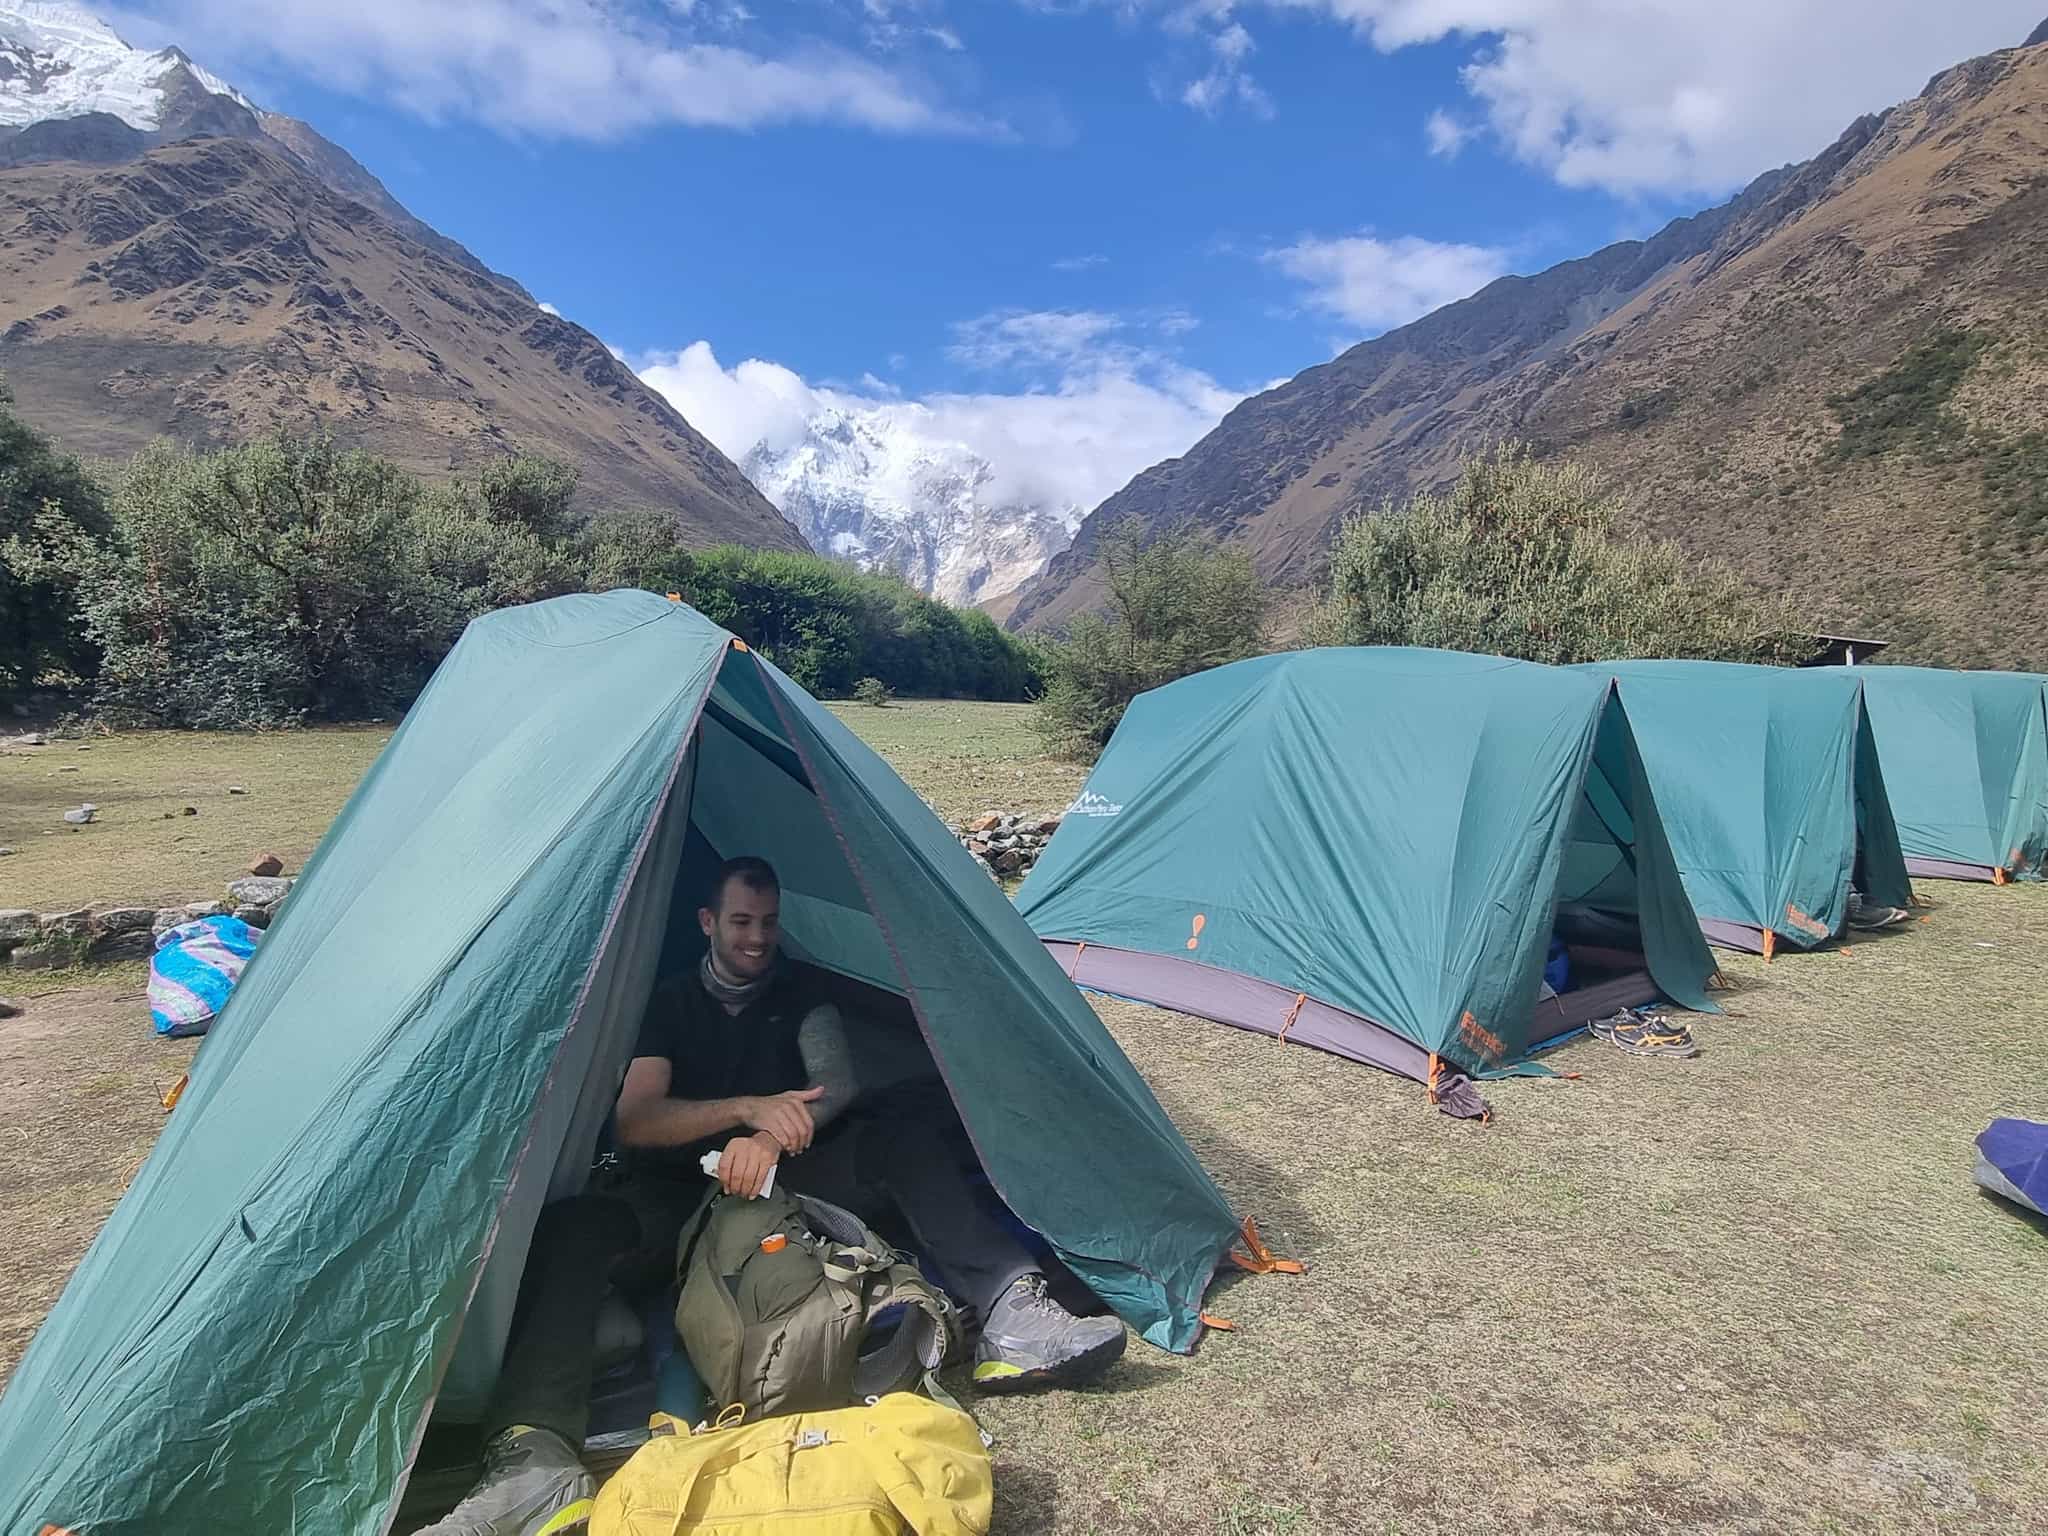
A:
x: 1949, y: 869
x: 1267, y: 1008
x: 1263, y: 1007
x: 1746, y: 938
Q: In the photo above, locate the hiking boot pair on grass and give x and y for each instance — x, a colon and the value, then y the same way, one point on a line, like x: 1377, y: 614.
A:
x: 534, y: 1483
x: 1637, y: 1032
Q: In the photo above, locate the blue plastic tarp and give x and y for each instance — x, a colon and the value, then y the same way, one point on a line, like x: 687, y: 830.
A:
x: 2012, y: 1160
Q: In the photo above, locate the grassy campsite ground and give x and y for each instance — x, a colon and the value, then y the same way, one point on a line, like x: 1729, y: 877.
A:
x: 1751, y: 1292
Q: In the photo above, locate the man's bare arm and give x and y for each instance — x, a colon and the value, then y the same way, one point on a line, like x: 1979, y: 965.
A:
x: 648, y: 1117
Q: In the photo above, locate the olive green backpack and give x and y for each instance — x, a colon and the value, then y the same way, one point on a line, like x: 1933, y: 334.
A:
x: 779, y: 1297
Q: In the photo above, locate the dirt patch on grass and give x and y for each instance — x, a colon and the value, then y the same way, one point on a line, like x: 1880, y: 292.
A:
x: 82, y: 1080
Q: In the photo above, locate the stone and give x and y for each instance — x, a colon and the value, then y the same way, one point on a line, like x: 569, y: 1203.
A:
x: 9, y: 1008
x: 69, y: 768
x: 82, y: 815
x: 34, y: 739
x: 1049, y: 826
x: 237, y: 789
x: 6, y: 853
x: 1009, y: 862
x: 125, y: 919
x: 256, y: 917
x: 18, y: 925
x: 985, y: 824
x: 137, y: 944
x: 259, y: 890
x: 68, y: 925
x: 198, y: 909
x: 38, y: 957
x: 266, y: 864
x: 190, y: 810
x: 167, y: 918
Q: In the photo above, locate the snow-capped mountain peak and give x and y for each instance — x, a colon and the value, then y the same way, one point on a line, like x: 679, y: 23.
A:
x: 58, y: 60
x: 878, y: 485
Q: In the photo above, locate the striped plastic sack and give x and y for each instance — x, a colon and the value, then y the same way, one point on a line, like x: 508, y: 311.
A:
x: 195, y: 967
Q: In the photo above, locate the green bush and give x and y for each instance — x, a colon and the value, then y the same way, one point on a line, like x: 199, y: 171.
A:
x: 39, y: 631
x: 1175, y: 606
x: 1522, y: 558
x: 286, y: 580
x: 873, y: 692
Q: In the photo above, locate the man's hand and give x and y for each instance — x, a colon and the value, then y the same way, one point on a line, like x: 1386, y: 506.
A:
x: 746, y: 1162
x: 784, y: 1116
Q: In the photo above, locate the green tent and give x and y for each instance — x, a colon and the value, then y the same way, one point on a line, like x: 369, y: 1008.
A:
x: 1771, y: 793
x: 1965, y: 759
x: 1368, y: 850
x: 326, y: 1243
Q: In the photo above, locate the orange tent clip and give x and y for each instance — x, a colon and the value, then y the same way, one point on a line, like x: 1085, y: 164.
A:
x: 1292, y: 1014
x: 1222, y: 1325
x: 1258, y: 1259
x: 1770, y: 943
x: 176, y: 1092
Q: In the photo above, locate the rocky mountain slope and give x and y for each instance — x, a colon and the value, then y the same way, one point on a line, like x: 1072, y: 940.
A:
x: 870, y: 485
x: 175, y: 260
x: 1834, y: 380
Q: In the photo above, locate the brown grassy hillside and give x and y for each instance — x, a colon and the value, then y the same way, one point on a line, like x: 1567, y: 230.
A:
x: 215, y: 287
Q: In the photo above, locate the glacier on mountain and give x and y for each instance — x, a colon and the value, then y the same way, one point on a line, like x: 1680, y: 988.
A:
x: 873, y: 484
x: 58, y: 60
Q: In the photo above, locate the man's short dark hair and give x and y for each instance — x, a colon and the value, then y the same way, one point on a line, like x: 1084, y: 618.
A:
x: 755, y: 874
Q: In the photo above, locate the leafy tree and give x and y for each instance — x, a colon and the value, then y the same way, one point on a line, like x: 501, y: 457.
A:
x: 38, y: 621
x: 1175, y: 606
x: 1523, y: 558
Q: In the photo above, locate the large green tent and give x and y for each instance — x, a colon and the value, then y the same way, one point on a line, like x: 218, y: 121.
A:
x: 327, y: 1240
x: 1771, y: 793
x: 1368, y: 850
x: 1965, y: 759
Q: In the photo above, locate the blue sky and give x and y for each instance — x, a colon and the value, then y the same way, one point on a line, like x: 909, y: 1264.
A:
x: 1058, y: 228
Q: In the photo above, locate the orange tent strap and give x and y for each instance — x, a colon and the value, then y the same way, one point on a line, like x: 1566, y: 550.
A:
x: 1998, y: 877
x: 1221, y: 1324
x: 738, y: 644
x: 1257, y: 1258
x: 176, y: 1091
x: 1292, y: 1014
x: 1770, y: 943
x: 675, y: 597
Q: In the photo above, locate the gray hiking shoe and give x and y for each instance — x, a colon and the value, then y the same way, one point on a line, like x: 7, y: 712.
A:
x: 1651, y: 1034
x: 1870, y: 914
x: 1029, y: 1340
x: 533, y: 1485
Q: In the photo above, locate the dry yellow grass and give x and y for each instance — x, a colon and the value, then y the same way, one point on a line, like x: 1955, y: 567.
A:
x: 1753, y: 1292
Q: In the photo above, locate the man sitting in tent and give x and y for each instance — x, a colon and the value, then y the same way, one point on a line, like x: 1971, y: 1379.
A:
x: 748, y: 1058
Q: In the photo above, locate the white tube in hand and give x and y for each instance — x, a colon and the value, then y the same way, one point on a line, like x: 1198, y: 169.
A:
x: 709, y: 1163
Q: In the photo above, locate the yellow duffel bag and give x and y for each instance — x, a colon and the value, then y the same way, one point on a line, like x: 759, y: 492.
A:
x: 903, y: 1463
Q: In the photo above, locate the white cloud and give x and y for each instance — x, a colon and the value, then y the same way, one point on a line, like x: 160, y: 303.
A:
x: 1080, y: 263
x: 1228, y: 80
x: 1671, y: 95
x: 590, y: 69
x: 1018, y: 337
x: 1378, y: 284
x: 1102, y: 411
x: 1445, y: 133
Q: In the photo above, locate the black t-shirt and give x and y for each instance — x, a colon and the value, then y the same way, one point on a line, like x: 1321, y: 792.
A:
x: 713, y: 1054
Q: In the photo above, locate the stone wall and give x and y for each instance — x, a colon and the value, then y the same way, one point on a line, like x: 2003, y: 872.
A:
x: 1009, y: 844
x: 31, y: 941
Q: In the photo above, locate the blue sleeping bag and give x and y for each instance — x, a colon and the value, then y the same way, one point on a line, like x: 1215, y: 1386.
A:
x: 195, y: 967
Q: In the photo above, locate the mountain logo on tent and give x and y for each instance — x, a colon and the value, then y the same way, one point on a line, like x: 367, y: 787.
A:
x: 1088, y: 803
